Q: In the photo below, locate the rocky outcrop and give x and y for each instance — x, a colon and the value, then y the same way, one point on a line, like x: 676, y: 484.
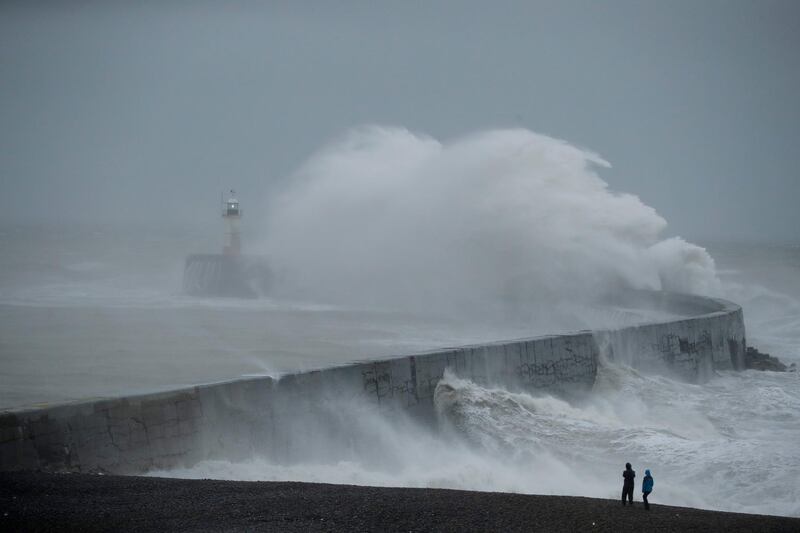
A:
x: 755, y: 360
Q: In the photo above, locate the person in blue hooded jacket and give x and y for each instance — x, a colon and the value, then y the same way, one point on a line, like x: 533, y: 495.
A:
x: 647, y: 488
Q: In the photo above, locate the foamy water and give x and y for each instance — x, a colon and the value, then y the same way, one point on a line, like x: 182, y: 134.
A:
x: 727, y: 445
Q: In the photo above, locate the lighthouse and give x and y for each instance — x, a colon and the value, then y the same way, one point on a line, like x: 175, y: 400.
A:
x: 229, y: 274
x: 232, y: 214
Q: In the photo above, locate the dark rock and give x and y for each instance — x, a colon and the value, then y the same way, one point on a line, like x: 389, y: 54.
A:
x: 753, y: 359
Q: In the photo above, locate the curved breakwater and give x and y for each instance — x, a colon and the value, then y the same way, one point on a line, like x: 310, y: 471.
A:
x: 288, y: 417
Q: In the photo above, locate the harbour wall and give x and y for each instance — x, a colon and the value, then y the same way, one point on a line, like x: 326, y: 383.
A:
x: 262, y: 416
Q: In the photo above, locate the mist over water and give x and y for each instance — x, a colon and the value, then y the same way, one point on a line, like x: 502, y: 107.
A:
x: 506, y: 221
x: 387, y: 242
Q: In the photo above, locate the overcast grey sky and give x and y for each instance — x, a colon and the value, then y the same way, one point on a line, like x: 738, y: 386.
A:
x: 126, y: 111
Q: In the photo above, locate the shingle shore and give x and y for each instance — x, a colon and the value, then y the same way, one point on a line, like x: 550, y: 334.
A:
x: 33, y: 501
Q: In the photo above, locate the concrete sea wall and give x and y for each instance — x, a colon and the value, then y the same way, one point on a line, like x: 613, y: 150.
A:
x: 236, y: 419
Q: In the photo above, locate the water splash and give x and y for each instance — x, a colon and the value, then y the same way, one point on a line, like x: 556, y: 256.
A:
x: 495, y: 221
x: 716, y: 446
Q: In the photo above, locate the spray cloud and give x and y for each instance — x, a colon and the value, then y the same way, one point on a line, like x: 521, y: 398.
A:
x: 502, y: 219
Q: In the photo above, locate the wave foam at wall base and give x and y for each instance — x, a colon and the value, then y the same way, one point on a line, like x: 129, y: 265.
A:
x: 701, y: 443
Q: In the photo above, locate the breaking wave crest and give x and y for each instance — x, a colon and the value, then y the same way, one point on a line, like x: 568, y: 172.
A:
x: 712, y: 446
x: 506, y: 219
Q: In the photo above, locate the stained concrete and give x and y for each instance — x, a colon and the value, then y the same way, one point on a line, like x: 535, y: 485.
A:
x: 237, y: 418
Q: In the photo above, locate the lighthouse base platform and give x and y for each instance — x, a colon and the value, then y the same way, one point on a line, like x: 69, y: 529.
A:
x: 221, y: 275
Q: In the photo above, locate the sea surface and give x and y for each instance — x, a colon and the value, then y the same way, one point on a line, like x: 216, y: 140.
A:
x: 88, y: 312
x: 95, y: 311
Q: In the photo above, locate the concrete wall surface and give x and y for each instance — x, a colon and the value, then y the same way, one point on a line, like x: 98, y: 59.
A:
x: 236, y: 419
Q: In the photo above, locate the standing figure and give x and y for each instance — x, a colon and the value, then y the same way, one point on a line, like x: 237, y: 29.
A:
x: 647, y: 488
x: 627, y: 484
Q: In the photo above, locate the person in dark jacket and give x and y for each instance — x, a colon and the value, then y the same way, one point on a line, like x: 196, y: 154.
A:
x: 647, y: 488
x: 627, y: 484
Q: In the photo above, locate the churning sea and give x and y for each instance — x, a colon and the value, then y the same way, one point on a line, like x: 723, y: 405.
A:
x: 88, y: 312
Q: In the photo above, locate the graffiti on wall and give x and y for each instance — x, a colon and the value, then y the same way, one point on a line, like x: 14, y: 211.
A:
x: 378, y: 381
x: 577, y: 364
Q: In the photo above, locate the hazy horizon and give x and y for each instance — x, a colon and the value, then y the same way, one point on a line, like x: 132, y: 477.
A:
x: 142, y: 113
